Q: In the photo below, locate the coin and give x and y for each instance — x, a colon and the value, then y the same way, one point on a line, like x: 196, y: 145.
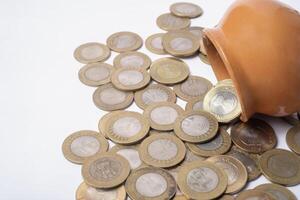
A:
x: 162, y: 150
x: 180, y: 197
x: 162, y: 115
x: 126, y: 127
x: 195, y: 104
x: 225, y: 82
x: 190, y: 157
x: 254, y: 194
x: 222, y: 101
x: 235, y: 170
x: 124, y: 41
x: 82, y: 145
x: 196, y: 126
x: 293, y: 139
x: 254, y: 136
x: 132, y: 59
x: 105, y: 171
x: 277, y: 191
x: 169, y: 70
x: 103, y: 121
x: 170, y: 22
x: 226, y: 197
x: 130, y: 78
x: 220, y: 144
x: 91, y: 52
x: 193, y: 87
x: 202, y: 180
x: 154, y: 44
x: 204, y: 58
x: 150, y: 183
x: 196, y: 31
x: 280, y: 166
x: 184, y: 9
x: 107, y: 97
x: 85, y: 192
x: 152, y: 131
x: 154, y: 93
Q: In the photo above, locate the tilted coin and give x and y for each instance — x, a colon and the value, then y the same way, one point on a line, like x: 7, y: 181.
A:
x: 103, y: 121
x: 124, y: 41
x: 196, y: 126
x: 105, y: 171
x: 132, y: 59
x: 204, y: 58
x: 235, y: 170
x: 154, y: 93
x: 190, y: 157
x: 277, y: 191
x: 293, y: 139
x: 226, y: 197
x: 184, y: 9
x: 169, y: 70
x: 254, y: 136
x: 150, y: 183
x: 254, y: 194
x: 170, y: 22
x: 109, y: 98
x: 196, y: 31
x: 193, y: 87
x: 162, y: 150
x: 82, y: 145
x: 91, y: 52
x: 280, y: 166
x: 196, y: 104
x: 154, y: 44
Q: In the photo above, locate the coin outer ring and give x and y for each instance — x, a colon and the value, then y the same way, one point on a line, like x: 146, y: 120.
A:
x: 195, y: 14
x: 186, y: 22
x: 182, y: 181
x: 204, y: 58
x: 159, y: 127
x: 66, y: 147
x: 189, y: 106
x: 138, y: 95
x: 151, y: 48
x: 291, y: 141
x: 103, y: 57
x: 138, y: 44
x: 253, y: 193
x: 146, y: 59
x: 103, y: 106
x: 148, y: 159
x: 103, y: 121
x: 263, y: 163
x: 270, y: 186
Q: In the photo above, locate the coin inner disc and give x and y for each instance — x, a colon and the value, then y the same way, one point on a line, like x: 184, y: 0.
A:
x: 97, y: 73
x: 130, y: 77
x: 195, y: 125
x: 151, y: 185
x: 202, y: 179
x: 169, y: 71
x: 278, y: 194
x: 230, y: 170
x: 91, y: 52
x: 164, y: 115
x: 157, y: 43
x: 124, y: 41
x: 132, y: 61
x: 98, y: 194
x: 112, y: 96
x: 85, y: 146
x: 172, y: 21
x: 194, y: 87
x: 223, y: 103
x: 185, y: 8
x: 132, y: 156
x: 105, y: 169
x: 214, y: 144
x: 198, y: 105
x: 127, y: 126
x: 283, y: 166
x: 162, y: 149
x: 154, y: 95
x: 181, y: 44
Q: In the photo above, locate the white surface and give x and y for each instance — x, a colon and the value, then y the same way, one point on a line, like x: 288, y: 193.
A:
x: 42, y: 101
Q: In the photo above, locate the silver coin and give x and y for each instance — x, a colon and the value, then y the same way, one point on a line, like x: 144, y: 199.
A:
x: 112, y: 96
x: 99, y: 194
x: 95, y: 74
x: 212, y: 144
x: 130, y: 77
x: 181, y: 44
x: 202, y: 179
x: 164, y: 115
x: 127, y: 126
x: 171, y: 22
x: 91, y: 52
x: 223, y: 103
x: 162, y: 149
x: 157, y: 43
x: 195, y: 125
x: 195, y: 86
x: 132, y: 155
x: 154, y: 95
x: 105, y: 169
x: 198, y: 105
x: 85, y: 146
x: 132, y: 61
x: 151, y: 185
x: 196, y: 31
x: 184, y: 9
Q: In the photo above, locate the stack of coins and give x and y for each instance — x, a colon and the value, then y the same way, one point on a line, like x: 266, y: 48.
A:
x: 168, y: 152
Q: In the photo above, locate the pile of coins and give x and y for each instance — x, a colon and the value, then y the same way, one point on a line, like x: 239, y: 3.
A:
x: 168, y: 152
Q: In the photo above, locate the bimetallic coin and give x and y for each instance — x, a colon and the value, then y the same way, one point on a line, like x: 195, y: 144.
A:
x: 204, y: 58
x: 184, y: 9
x: 105, y: 171
x: 169, y: 22
x: 226, y: 197
x: 132, y: 59
x: 82, y: 145
x: 254, y: 195
x: 162, y: 150
x: 277, y: 191
x: 254, y: 136
x: 103, y: 121
x: 91, y: 52
x: 150, y: 183
x: 293, y: 139
x: 196, y: 104
x: 124, y: 41
x: 280, y: 166
x: 154, y: 44
x: 196, y: 31
x: 109, y: 98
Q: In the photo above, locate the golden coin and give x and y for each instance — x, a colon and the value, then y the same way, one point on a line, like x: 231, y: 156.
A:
x: 132, y: 59
x: 103, y: 121
x: 126, y: 127
x: 82, y: 145
x: 201, y: 180
x: 254, y: 194
x: 91, y: 52
x: 254, y: 136
x: 162, y: 150
x: 85, y: 192
x: 196, y: 126
x: 204, y: 58
x: 277, y: 191
x: 109, y: 98
x: 95, y: 74
x: 150, y: 183
x: 193, y: 87
x: 169, y: 22
x: 280, y: 166
x: 124, y: 41
x: 154, y: 93
x: 154, y: 44
x: 162, y: 115
x: 195, y: 104
x: 235, y: 170
x: 130, y: 78
x: 293, y: 139
x: 105, y: 171
x: 184, y: 9
x: 169, y: 70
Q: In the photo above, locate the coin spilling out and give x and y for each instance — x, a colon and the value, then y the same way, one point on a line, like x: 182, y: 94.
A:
x: 235, y: 170
x: 293, y: 139
x: 103, y: 121
x: 193, y: 87
x: 169, y: 22
x: 105, y: 171
x: 184, y: 9
x: 150, y: 183
x: 280, y: 166
x: 124, y: 41
x: 277, y: 191
x: 204, y: 58
x: 196, y: 104
x: 132, y: 59
x: 126, y: 127
x: 154, y: 44
x: 91, y: 52
x: 253, y: 136
x: 169, y: 70
x: 154, y: 93
x: 109, y: 98
x: 254, y: 194
x: 162, y: 115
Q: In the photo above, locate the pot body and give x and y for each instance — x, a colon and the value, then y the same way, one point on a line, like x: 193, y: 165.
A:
x: 257, y: 45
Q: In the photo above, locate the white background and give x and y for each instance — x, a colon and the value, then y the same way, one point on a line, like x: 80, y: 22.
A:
x: 42, y: 101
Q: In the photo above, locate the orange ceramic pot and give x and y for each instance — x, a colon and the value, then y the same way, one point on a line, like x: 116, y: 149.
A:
x: 257, y: 45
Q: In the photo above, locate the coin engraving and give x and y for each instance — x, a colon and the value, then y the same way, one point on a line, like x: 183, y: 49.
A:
x: 105, y: 169
x: 195, y: 87
x: 97, y: 73
x: 85, y: 146
x: 230, y: 170
x: 223, y: 103
x: 195, y: 125
x: 181, y: 44
x: 154, y: 95
x: 212, y: 144
x: 151, y: 185
x: 164, y: 115
x: 132, y: 156
x: 283, y: 166
x: 127, y: 126
x: 162, y: 149
x: 132, y: 61
x: 130, y: 77
x: 112, y: 96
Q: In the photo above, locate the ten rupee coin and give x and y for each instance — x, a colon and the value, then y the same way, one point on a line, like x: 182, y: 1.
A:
x: 132, y: 59
x: 170, y: 22
x: 91, y: 52
x: 277, y: 191
x: 184, y: 9
x: 124, y: 41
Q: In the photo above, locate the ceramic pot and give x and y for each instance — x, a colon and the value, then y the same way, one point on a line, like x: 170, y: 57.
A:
x: 257, y: 45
